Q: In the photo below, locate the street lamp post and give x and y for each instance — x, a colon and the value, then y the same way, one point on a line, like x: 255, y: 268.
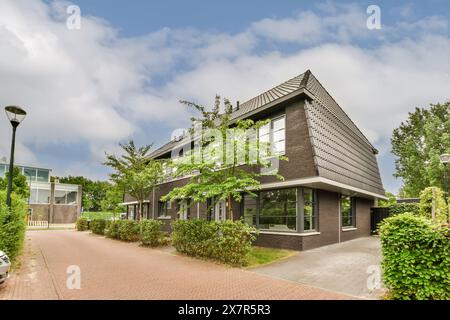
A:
x: 445, y: 159
x: 15, y: 115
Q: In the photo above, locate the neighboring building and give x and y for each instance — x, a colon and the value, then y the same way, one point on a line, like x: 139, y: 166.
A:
x: 49, y: 201
x: 331, y: 179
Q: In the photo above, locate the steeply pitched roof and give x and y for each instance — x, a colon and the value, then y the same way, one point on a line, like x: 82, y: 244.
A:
x: 341, y: 151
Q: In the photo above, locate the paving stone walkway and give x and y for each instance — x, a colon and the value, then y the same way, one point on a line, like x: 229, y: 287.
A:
x: 111, y: 269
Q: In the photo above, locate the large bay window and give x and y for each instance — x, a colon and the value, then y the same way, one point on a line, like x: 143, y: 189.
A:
x: 289, y: 210
x: 278, y: 210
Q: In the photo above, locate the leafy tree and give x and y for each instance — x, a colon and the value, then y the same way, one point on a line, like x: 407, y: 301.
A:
x: 134, y: 172
x: 19, y: 184
x: 217, y: 163
x: 112, y: 200
x: 426, y: 203
x: 392, y: 200
x: 418, y: 143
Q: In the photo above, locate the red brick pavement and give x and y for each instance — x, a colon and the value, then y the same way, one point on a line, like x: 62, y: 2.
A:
x: 117, y: 270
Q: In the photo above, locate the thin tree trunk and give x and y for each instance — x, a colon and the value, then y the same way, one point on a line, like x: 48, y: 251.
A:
x: 230, y: 209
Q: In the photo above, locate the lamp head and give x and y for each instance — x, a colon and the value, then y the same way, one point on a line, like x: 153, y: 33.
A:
x: 15, y: 115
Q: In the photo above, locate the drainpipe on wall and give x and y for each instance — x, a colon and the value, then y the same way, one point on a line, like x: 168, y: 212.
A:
x: 198, y: 210
x: 339, y: 218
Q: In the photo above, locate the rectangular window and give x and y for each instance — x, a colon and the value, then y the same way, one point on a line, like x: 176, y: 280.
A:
x: 162, y: 208
x: 66, y: 196
x: 43, y: 175
x: 348, y: 211
x: 278, y: 210
x: 60, y: 197
x: 2, y: 170
x: 30, y: 174
x: 309, y: 210
x: 272, y: 137
x: 292, y: 209
x: 43, y: 196
x: 250, y: 209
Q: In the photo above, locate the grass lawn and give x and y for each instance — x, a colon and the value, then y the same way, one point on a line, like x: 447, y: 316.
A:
x: 260, y: 256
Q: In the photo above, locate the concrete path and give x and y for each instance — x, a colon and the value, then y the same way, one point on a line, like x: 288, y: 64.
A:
x: 347, y: 267
x: 112, y: 269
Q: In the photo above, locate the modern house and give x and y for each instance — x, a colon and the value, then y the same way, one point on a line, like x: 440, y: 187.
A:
x: 51, y: 202
x: 331, y: 180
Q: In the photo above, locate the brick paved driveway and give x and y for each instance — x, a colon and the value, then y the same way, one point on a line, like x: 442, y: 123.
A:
x: 116, y: 270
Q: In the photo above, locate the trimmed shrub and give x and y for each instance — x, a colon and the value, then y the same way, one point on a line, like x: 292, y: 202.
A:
x: 416, y: 258
x: 151, y: 234
x: 98, y: 226
x: 226, y: 241
x: 112, y: 229
x: 128, y: 230
x: 82, y: 224
x: 400, y: 208
x: 426, y: 203
x: 12, y: 225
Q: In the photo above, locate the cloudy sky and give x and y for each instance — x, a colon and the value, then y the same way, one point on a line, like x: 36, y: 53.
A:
x: 122, y: 73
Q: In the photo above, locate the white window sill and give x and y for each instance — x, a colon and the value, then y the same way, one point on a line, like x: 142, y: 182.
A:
x: 305, y: 234
x: 164, y: 218
x: 349, y: 229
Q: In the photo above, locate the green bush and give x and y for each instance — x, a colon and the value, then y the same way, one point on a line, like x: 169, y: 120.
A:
x: 128, y: 230
x: 12, y: 225
x: 98, y: 226
x: 151, y: 233
x: 227, y: 241
x: 82, y: 224
x: 416, y: 257
x: 112, y: 229
x: 426, y: 203
x: 400, y: 208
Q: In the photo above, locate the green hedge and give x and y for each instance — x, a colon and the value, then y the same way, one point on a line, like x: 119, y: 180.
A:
x: 227, y: 241
x: 112, y: 229
x: 151, y: 233
x: 98, y: 226
x: 128, y: 230
x: 416, y: 258
x: 400, y: 208
x: 12, y: 225
x: 82, y: 224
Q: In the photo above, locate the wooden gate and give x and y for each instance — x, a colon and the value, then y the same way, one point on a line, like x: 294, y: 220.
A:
x: 376, y: 216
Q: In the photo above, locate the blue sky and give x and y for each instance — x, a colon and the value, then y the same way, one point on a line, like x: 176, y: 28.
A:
x: 120, y: 76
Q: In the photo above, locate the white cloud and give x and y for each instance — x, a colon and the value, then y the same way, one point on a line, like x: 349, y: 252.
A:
x: 92, y: 86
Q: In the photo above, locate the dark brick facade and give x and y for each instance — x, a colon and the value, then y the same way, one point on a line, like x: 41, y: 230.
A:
x: 300, y: 165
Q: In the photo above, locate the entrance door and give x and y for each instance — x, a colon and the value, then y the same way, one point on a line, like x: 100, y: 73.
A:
x: 220, y: 211
x: 183, y: 210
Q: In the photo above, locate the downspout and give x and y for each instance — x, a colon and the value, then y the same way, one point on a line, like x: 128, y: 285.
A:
x: 198, y: 210
x: 339, y: 218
